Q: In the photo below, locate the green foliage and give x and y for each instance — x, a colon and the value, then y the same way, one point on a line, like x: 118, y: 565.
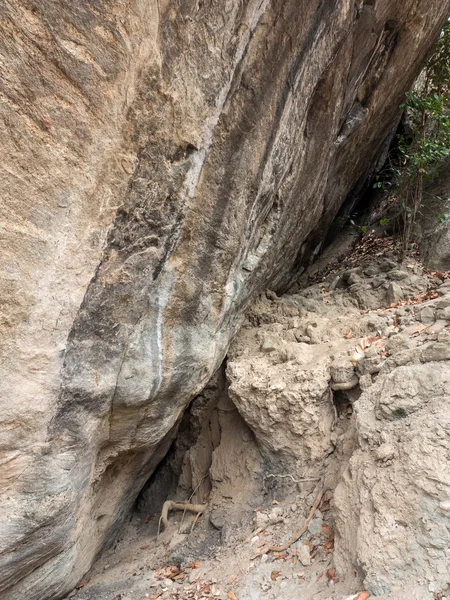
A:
x: 444, y: 218
x: 426, y: 142
x: 351, y: 219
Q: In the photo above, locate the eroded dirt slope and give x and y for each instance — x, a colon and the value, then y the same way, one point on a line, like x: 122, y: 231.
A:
x: 343, y: 384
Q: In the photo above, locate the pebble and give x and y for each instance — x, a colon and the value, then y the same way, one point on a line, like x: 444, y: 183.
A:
x: 427, y: 315
x: 264, y: 558
x: 397, y: 274
x: 274, y: 517
x: 265, y: 586
x: 167, y: 582
x: 193, y: 576
x: 304, y: 556
x: 315, y: 526
x: 394, y: 293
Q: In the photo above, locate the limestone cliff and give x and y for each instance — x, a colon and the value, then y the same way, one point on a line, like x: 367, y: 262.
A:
x: 161, y: 163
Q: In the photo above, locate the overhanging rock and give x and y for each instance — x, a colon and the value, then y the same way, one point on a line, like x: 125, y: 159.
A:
x: 161, y: 164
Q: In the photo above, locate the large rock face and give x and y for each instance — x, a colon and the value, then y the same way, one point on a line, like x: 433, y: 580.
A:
x: 161, y: 163
x: 434, y: 222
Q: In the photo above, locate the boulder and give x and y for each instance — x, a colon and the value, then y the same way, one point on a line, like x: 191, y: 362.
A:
x: 162, y: 163
x: 392, y: 517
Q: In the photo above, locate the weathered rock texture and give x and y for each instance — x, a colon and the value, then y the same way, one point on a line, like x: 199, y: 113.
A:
x: 434, y: 221
x: 366, y: 402
x: 161, y: 163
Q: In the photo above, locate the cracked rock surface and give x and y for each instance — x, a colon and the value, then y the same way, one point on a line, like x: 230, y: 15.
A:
x: 162, y: 163
x: 272, y: 424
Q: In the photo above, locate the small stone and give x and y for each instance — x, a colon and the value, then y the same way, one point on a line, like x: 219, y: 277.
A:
x: 218, y: 518
x: 167, y: 582
x: 397, y: 342
x: 268, y: 344
x: 435, y: 352
x: 377, y: 282
x: 365, y: 381
x: 353, y: 278
x: 334, y: 283
x: 427, y: 315
x: 265, y: 586
x: 386, y: 264
x: 394, y: 293
x: 304, y: 556
x: 342, y: 371
x: 372, y: 365
x: 275, y: 517
x: 397, y: 275
x: 371, y: 270
x: 444, y: 313
x: 443, y: 303
x: 438, y: 326
x: 315, y: 526
x: 385, y: 453
x: 444, y: 288
x: 261, y: 520
x: 444, y: 337
x: 193, y: 576
x: 264, y: 558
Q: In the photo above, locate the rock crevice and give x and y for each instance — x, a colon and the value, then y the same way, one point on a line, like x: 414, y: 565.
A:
x: 162, y: 165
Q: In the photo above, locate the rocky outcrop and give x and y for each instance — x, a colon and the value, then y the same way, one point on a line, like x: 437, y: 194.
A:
x: 433, y: 226
x: 364, y: 401
x: 160, y: 165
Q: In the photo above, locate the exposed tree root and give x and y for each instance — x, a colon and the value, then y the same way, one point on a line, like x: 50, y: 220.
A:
x: 298, y: 534
x: 185, y: 506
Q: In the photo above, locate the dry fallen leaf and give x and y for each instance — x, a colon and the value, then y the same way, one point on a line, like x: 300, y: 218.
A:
x: 194, y: 565
x: 82, y: 584
x: 172, y: 571
x: 362, y: 596
x: 274, y: 575
x: 418, y: 329
x: 319, y: 576
x: 144, y: 547
x: 331, y: 573
x: 232, y: 580
x: 357, y: 355
x: 325, y: 506
x: 232, y: 596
